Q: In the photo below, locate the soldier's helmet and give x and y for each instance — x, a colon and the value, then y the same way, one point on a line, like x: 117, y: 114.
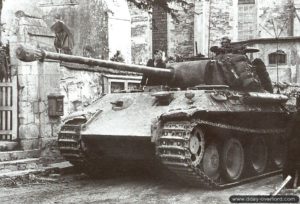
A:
x: 225, y: 41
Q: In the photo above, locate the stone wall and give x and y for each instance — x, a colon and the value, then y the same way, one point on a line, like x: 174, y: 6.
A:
x: 289, y: 72
x: 273, y: 11
x: 86, y: 19
x: 174, y: 36
x: 29, y: 131
x: 296, y: 23
x: 141, y: 35
x: 213, y: 20
x: 159, y: 29
x: 221, y: 20
x: 95, y: 24
x: 38, y: 80
x: 80, y: 88
x: 24, y: 25
x: 119, y: 29
x: 181, y: 32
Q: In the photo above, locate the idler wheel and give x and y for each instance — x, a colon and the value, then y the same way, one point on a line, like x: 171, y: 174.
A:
x: 257, y: 155
x: 211, y: 162
x: 232, y: 159
x: 196, y: 146
x: 278, y: 151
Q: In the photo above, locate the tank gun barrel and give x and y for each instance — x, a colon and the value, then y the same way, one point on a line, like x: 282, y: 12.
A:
x: 27, y: 54
x: 182, y: 75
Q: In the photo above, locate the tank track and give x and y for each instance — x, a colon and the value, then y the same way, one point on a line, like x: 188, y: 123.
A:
x: 172, y: 147
x: 69, y: 144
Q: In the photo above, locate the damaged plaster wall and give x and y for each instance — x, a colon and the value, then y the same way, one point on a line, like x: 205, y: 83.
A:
x: 141, y: 35
x: 181, y: 32
x: 86, y: 19
x: 26, y: 24
x: 80, y: 88
x: 95, y: 24
x: 272, y: 18
x: 221, y: 20
x: 288, y: 72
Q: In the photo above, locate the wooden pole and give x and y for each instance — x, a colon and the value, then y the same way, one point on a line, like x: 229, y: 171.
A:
x: 283, y: 184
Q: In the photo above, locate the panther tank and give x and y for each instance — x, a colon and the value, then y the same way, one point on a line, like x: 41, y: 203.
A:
x: 212, y: 123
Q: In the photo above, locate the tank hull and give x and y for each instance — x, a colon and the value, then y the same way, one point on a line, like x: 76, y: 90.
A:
x: 147, y: 127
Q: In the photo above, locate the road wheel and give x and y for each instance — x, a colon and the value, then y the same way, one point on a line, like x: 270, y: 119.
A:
x: 211, y: 162
x: 278, y: 151
x: 196, y: 146
x: 232, y: 159
x: 257, y: 154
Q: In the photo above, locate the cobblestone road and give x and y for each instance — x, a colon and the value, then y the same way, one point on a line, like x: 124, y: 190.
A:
x: 128, y: 188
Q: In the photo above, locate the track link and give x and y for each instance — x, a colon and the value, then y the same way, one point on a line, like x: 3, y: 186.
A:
x: 69, y: 144
x: 172, y: 147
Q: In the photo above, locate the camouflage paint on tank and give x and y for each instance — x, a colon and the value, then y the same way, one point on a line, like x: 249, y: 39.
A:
x: 140, y: 109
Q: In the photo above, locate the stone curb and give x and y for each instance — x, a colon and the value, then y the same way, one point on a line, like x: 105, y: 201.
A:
x: 54, y: 168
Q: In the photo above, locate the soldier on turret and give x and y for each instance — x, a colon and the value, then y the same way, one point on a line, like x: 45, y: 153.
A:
x: 229, y: 56
x: 227, y: 47
x: 225, y: 43
x: 157, y: 61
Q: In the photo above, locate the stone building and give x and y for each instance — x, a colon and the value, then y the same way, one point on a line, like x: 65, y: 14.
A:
x: 100, y: 28
x: 95, y: 25
x: 268, y: 25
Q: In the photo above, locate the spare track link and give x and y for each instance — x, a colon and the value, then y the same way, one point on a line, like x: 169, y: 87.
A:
x: 69, y: 144
x: 172, y: 147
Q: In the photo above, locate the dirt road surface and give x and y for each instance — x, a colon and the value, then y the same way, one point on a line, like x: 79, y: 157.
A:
x: 125, y: 188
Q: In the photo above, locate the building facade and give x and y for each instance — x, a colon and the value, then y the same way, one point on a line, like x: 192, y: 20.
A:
x: 101, y: 27
x: 268, y: 25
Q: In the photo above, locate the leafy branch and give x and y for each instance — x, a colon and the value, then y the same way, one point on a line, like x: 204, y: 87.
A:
x: 166, y: 5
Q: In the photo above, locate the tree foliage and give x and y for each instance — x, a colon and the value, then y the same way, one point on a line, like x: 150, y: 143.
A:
x: 166, y: 5
x: 276, y: 18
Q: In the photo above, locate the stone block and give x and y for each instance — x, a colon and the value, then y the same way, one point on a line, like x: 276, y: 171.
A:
x: 28, y: 68
x: 11, y: 167
x: 284, y: 74
x: 28, y: 131
x: 25, y: 106
x: 50, y: 129
x: 35, y: 107
x: 24, y: 68
x: 29, y: 144
x: 49, y: 150
x: 21, y: 81
x: 50, y: 68
x: 31, y: 82
x: 26, y: 114
x: 14, y: 155
x: 32, y: 165
x: 28, y: 82
x: 46, y: 130
x: 8, y: 145
x: 21, y: 166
